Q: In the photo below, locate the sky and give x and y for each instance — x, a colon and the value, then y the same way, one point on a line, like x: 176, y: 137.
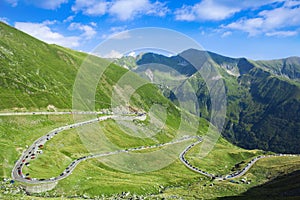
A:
x: 256, y: 29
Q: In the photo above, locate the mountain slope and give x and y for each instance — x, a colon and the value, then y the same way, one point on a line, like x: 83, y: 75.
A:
x: 34, y: 74
x: 282, y: 187
x: 263, y: 97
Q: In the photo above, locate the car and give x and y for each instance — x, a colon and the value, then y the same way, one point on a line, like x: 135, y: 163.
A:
x: 42, y: 179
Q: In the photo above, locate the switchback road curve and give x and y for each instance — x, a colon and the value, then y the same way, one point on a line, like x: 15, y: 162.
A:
x: 33, y: 150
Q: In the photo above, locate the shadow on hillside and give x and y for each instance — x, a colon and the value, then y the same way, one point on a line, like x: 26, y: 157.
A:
x: 282, y: 187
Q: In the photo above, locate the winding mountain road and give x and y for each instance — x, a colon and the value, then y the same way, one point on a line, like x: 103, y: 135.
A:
x: 33, y: 151
x: 229, y: 176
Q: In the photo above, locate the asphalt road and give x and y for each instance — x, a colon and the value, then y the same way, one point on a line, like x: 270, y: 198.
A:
x: 229, y: 176
x: 47, y: 113
x: 33, y: 151
x: 251, y: 163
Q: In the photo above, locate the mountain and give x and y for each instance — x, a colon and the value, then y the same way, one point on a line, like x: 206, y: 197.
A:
x: 263, y: 97
x: 35, y: 74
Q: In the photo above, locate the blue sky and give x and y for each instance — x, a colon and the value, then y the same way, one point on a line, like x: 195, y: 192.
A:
x: 250, y: 28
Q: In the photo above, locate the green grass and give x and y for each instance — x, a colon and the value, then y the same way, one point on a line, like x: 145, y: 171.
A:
x: 18, y: 132
x: 222, y: 158
x: 35, y: 74
x: 88, y: 175
x: 263, y: 171
x: 94, y: 178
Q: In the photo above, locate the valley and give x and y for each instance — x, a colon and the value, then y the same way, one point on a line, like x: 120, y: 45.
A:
x: 149, y: 147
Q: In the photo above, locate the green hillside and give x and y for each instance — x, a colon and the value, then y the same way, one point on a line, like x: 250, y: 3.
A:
x: 283, y: 187
x: 35, y: 74
x: 263, y: 97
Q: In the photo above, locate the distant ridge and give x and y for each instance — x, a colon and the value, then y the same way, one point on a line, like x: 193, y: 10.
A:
x: 263, y: 109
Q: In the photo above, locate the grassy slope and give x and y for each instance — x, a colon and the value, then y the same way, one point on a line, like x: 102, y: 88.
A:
x: 37, y: 74
x: 222, y: 158
x: 282, y: 187
x: 34, y: 74
x: 18, y: 132
x: 262, y: 172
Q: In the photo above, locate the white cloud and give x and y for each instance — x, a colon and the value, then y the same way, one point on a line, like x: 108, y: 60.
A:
x: 44, y: 33
x: 91, y: 7
x: 128, y: 9
x: 250, y: 26
x: 185, y: 13
x: 49, y: 22
x: 113, y: 54
x: 94, y: 24
x: 158, y: 9
x: 117, y: 29
x: 216, y: 10
x: 282, y: 33
x: 4, y: 20
x: 88, y: 31
x: 69, y: 19
x: 205, y: 10
x: 117, y: 32
x: 281, y: 17
x: 122, y: 9
x: 46, y: 4
x: 227, y: 33
x: 13, y: 3
x: 51, y: 5
x: 292, y: 3
x: 271, y: 22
